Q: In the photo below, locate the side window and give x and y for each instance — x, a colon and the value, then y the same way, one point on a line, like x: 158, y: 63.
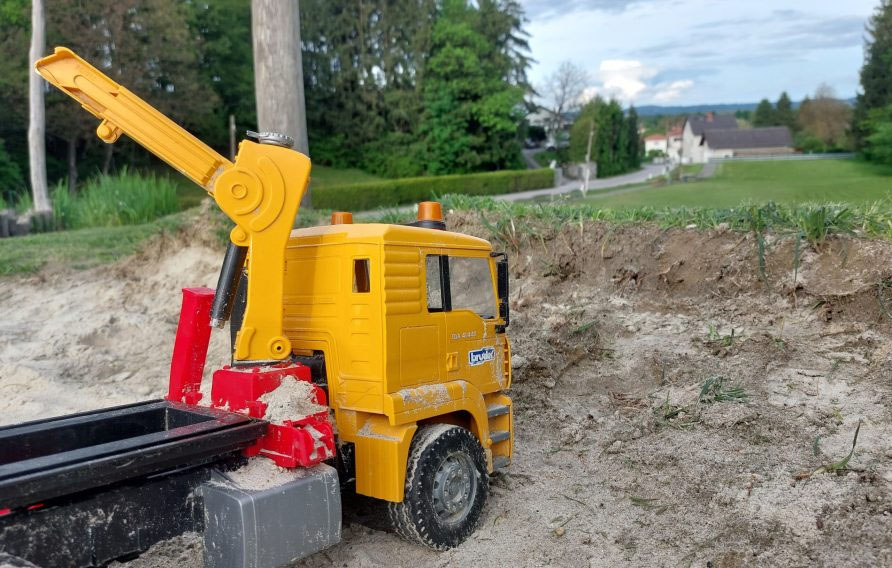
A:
x: 470, y: 282
x: 434, y: 283
x: 361, y: 278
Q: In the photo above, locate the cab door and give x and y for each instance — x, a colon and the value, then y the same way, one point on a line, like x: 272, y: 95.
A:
x: 471, y: 312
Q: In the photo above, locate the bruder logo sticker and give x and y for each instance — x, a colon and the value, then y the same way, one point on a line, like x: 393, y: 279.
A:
x: 481, y: 356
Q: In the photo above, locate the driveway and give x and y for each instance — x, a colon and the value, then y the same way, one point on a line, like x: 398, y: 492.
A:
x: 640, y: 176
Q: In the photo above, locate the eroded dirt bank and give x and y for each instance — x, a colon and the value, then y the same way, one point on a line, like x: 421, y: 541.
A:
x: 615, y: 330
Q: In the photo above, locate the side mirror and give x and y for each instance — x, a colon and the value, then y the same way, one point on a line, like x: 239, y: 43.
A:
x: 502, y: 284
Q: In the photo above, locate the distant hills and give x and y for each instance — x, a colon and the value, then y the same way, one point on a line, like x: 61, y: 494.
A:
x: 654, y: 110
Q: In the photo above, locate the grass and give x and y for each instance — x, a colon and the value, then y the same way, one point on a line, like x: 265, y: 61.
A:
x: 785, y: 182
x: 82, y: 248
x: 691, y: 169
x: 509, y: 220
x: 323, y: 177
x: 714, y: 389
x: 125, y: 198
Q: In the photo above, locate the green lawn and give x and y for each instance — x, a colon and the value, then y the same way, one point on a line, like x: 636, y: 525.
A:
x: 81, y: 248
x: 322, y: 177
x: 692, y: 169
x: 789, y: 182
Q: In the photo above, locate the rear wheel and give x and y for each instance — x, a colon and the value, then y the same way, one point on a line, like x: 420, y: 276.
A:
x: 446, y: 488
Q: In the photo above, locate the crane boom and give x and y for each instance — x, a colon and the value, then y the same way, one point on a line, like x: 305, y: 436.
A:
x: 121, y: 111
x: 260, y: 192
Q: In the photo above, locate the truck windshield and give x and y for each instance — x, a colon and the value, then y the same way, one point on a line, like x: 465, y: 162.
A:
x: 470, y: 282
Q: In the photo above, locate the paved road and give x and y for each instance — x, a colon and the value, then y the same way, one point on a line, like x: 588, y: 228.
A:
x: 529, y: 157
x: 640, y: 176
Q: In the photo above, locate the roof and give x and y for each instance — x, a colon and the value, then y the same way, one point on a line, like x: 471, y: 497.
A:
x: 700, y: 124
x: 656, y: 137
x: 383, y: 233
x: 734, y: 139
x: 676, y: 131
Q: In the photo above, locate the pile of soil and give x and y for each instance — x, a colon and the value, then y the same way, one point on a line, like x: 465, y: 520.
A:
x: 622, y: 456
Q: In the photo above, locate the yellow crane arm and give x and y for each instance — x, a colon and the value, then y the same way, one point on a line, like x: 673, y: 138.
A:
x: 260, y: 192
x: 121, y: 111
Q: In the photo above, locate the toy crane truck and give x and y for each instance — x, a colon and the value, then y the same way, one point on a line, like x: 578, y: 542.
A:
x: 397, y: 330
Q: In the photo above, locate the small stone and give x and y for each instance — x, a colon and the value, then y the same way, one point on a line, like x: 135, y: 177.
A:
x: 615, y: 447
x: 560, y: 531
x: 123, y: 376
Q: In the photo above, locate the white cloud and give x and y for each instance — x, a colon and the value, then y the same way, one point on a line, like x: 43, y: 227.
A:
x: 631, y: 81
x: 625, y: 79
x: 665, y: 92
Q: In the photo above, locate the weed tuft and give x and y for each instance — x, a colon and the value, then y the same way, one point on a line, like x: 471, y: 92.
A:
x: 714, y: 389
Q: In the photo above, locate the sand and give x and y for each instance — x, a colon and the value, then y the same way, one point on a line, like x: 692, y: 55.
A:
x: 617, y: 462
x: 261, y: 473
x: 292, y: 400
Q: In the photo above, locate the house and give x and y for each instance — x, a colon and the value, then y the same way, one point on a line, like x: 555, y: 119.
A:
x: 674, y: 140
x: 718, y: 136
x: 669, y: 144
x: 656, y: 142
x: 729, y: 143
x: 692, y: 134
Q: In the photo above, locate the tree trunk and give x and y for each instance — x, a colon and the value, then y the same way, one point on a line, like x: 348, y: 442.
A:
x: 72, y: 165
x: 37, y: 113
x: 278, y: 72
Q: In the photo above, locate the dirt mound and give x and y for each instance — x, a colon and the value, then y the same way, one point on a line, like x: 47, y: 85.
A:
x: 675, y: 403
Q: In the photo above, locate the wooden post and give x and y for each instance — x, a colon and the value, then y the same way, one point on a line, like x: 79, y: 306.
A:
x: 278, y: 72
x: 588, y: 158
x: 37, y: 113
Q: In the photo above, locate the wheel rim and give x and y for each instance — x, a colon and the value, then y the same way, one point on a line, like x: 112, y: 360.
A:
x: 455, y: 488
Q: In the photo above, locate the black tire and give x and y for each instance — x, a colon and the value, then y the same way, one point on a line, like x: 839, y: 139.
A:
x: 446, y: 488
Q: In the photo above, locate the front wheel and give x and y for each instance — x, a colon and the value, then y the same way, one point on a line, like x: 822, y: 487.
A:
x: 446, y: 488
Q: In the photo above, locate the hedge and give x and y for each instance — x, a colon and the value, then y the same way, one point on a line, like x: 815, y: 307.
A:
x: 391, y: 192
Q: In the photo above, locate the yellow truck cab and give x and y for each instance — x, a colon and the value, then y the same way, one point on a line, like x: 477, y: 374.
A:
x: 409, y: 323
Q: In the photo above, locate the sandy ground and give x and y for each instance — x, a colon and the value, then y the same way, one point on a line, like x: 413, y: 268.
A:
x: 615, y: 331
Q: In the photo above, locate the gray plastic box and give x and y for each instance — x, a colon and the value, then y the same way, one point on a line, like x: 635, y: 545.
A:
x: 270, y: 527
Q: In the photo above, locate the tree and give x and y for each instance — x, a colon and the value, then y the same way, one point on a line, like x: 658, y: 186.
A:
x: 615, y: 144
x: 764, y: 114
x: 472, y: 110
x: 876, y: 73
x: 226, y: 64
x: 878, y: 142
x: 633, y: 140
x: 145, y: 45
x: 825, y: 119
x: 37, y: 113
x: 783, y: 113
x: 563, y: 91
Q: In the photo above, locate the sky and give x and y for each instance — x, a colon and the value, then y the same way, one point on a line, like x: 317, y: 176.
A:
x: 680, y: 52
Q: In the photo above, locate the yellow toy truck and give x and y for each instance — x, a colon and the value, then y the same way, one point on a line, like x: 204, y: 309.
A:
x: 400, y: 330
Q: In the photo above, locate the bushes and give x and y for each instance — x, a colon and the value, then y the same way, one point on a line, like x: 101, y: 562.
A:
x: 12, y: 182
x: 126, y: 198
x: 384, y: 193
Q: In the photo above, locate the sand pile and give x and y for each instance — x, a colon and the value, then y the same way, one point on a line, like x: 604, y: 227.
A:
x: 262, y: 473
x: 292, y: 400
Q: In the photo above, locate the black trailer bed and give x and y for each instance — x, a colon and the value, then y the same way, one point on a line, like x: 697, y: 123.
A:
x: 56, y: 457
